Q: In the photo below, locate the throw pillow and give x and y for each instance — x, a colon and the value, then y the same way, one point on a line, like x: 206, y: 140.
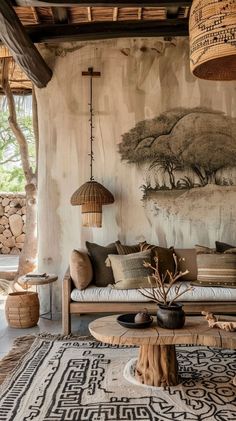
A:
x: 216, y: 269
x: 135, y: 283
x: 187, y: 259
x: 165, y: 257
x: 102, y: 275
x: 222, y: 247
x: 124, y: 249
x: 130, y: 266
x: 81, y: 270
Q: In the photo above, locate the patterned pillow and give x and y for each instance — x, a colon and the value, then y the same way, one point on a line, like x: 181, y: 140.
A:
x: 217, y: 269
x: 130, y: 266
x: 124, y: 249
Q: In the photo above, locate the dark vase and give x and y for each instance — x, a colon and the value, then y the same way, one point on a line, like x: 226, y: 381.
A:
x: 170, y: 317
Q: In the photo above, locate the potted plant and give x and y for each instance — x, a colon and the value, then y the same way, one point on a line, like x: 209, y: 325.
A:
x: 170, y: 314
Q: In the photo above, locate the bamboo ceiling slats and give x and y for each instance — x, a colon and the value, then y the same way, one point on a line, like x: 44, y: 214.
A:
x: 78, y: 14
x: 152, y: 13
x: 43, y: 15
x: 17, y: 79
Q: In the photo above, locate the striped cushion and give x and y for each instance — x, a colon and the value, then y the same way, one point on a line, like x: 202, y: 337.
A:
x: 217, y: 269
x: 130, y: 266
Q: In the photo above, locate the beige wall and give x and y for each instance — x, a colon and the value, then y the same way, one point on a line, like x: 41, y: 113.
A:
x: 136, y: 83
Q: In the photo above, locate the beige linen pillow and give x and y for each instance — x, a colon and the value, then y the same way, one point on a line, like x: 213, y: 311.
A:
x: 81, y: 270
x: 135, y: 283
x: 130, y: 266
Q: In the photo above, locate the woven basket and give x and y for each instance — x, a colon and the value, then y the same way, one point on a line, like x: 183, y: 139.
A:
x: 212, y: 32
x: 22, y: 309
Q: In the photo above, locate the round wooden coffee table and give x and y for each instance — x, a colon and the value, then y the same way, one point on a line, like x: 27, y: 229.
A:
x: 157, y: 363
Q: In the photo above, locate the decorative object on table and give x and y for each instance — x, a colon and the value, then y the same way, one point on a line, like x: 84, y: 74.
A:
x: 213, y: 321
x: 212, y: 35
x: 142, y: 316
x: 38, y: 280
x: 22, y: 309
x: 169, y: 313
x: 101, y: 368
x: 91, y: 195
x: 129, y: 320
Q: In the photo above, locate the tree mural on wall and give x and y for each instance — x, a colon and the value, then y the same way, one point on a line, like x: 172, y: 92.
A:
x: 197, y: 141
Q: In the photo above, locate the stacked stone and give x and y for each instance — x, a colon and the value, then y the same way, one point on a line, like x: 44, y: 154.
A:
x: 12, y: 222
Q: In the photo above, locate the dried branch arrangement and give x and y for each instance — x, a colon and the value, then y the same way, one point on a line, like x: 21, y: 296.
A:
x: 163, y: 284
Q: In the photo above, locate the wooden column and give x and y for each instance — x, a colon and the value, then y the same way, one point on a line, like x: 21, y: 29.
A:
x: 157, y: 365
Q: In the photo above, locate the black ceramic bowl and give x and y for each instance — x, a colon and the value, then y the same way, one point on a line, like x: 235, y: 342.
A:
x: 127, y: 320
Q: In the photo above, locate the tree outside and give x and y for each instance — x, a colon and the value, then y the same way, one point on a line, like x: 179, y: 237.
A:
x: 11, y: 172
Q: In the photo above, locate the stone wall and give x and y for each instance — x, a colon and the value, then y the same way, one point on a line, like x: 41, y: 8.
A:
x: 12, y: 222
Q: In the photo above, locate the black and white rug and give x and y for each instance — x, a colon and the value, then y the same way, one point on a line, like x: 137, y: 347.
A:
x: 81, y: 380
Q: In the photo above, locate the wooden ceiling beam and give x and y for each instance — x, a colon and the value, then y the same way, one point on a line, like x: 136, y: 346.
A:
x: 15, y: 38
x: 102, y: 3
x: 106, y: 30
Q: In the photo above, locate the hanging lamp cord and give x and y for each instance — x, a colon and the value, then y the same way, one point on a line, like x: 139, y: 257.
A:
x: 91, y: 154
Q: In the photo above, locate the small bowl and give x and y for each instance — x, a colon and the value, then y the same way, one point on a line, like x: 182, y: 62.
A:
x: 127, y: 320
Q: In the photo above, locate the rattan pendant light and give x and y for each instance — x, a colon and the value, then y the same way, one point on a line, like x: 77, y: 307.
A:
x: 91, y: 195
x: 212, y: 32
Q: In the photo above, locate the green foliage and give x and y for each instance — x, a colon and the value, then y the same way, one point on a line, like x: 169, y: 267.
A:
x: 11, y: 173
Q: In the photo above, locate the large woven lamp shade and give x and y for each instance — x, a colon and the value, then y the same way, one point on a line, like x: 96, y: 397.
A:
x: 92, y: 195
x: 212, y: 32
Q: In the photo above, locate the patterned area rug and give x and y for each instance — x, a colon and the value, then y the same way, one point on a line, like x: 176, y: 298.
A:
x: 82, y: 380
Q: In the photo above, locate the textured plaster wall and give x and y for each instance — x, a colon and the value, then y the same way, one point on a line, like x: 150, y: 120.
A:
x: 140, y: 79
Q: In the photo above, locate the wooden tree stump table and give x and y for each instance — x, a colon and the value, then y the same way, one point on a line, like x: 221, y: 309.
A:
x: 157, y: 363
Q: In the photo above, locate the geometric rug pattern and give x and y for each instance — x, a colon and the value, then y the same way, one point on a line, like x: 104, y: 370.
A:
x: 82, y: 380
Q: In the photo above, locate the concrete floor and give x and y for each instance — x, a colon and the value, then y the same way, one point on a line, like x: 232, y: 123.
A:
x: 8, y: 334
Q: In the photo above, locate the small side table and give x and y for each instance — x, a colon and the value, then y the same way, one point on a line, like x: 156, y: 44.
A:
x: 28, y: 281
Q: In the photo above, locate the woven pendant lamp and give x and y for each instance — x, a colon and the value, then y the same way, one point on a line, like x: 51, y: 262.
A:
x: 212, y: 32
x: 91, y: 195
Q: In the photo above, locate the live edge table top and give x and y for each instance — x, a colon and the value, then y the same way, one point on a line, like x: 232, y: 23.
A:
x: 195, y: 332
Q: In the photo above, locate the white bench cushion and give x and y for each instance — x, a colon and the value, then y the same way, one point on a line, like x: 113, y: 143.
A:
x: 106, y: 294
